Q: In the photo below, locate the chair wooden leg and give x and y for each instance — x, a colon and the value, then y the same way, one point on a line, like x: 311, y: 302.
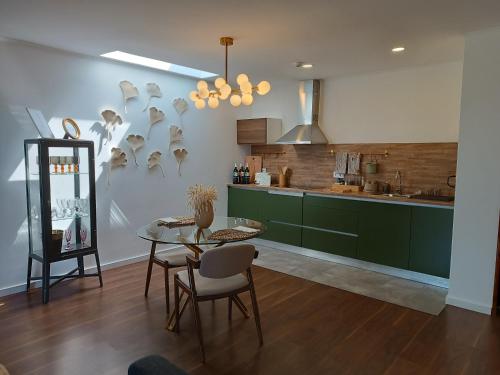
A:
x: 98, y: 265
x: 230, y: 308
x: 150, y: 267
x: 196, y: 313
x: 176, y: 303
x: 167, y: 290
x: 255, y: 308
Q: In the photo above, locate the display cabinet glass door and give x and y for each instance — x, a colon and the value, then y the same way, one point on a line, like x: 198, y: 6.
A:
x: 70, y: 196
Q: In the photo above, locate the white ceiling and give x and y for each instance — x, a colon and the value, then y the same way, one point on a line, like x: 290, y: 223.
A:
x: 340, y: 37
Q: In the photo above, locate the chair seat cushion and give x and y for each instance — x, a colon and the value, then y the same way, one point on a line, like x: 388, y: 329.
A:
x: 176, y: 258
x: 207, y: 286
x: 154, y: 365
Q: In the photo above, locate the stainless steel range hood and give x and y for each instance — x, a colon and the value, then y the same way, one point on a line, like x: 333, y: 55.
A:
x: 308, y: 133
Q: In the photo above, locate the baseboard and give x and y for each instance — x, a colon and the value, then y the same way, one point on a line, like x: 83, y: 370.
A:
x: 468, y: 305
x: 104, y: 266
x: 397, y: 272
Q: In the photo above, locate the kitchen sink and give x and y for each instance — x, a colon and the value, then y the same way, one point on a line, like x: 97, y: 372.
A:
x: 397, y: 195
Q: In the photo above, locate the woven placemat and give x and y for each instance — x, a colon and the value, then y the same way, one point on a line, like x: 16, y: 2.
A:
x: 231, y: 235
x: 182, y: 222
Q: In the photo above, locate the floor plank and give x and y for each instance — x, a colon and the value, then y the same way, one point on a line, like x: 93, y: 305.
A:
x: 309, y: 328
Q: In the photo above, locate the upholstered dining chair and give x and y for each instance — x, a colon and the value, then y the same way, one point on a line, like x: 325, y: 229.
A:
x: 167, y: 260
x: 221, y: 272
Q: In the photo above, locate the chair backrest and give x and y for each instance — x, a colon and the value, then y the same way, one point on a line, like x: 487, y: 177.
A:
x: 227, y: 260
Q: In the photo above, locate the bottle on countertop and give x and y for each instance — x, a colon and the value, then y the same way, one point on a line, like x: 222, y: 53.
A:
x: 236, y: 174
x: 241, y: 174
x: 247, y: 174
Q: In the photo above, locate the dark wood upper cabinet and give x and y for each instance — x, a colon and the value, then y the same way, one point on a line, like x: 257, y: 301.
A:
x: 258, y: 131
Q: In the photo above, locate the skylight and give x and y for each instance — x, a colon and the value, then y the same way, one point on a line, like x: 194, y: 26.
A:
x: 158, y: 64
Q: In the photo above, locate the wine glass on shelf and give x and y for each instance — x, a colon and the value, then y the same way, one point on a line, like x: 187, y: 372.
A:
x: 67, y: 236
x: 83, y: 235
x: 61, y: 210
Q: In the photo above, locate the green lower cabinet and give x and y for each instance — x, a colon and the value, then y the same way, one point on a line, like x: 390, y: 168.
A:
x: 283, y: 233
x: 283, y: 208
x: 431, y: 232
x: 384, y: 234
x: 246, y: 203
x: 340, y: 215
x: 329, y: 242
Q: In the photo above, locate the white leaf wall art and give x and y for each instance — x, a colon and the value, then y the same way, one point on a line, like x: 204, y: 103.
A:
x: 135, y: 141
x: 111, y: 119
x: 153, y: 91
x: 175, y: 135
x: 180, y: 106
x: 129, y: 91
x: 155, y: 116
x: 154, y: 160
x: 180, y: 154
x: 118, y: 159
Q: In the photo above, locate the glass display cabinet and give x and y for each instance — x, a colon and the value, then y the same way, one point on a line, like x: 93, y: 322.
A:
x: 60, y: 188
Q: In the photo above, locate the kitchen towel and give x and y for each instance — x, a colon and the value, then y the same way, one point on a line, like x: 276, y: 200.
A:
x: 354, y: 161
x: 340, y: 163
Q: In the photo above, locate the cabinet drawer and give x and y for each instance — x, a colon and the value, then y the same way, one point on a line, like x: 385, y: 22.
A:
x: 330, y: 218
x: 245, y: 203
x: 337, y: 203
x: 283, y: 208
x: 284, y: 233
x: 329, y: 242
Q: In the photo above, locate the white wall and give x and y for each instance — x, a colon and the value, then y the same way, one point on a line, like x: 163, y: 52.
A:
x: 68, y: 85
x: 478, y: 176
x: 420, y: 104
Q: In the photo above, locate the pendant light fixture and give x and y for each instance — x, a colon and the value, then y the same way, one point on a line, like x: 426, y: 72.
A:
x: 223, y: 91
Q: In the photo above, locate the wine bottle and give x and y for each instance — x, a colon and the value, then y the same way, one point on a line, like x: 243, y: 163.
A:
x: 241, y: 174
x: 247, y: 174
x: 236, y: 175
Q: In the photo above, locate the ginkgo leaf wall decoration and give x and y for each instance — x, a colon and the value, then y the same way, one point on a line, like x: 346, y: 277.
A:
x: 154, y: 160
x: 135, y: 141
x: 112, y: 119
x: 180, y: 106
x: 180, y: 154
x: 175, y: 135
x: 155, y: 116
x: 129, y: 91
x: 118, y: 159
x: 153, y: 91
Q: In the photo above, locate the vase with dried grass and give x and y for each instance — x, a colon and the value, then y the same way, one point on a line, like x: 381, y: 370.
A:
x: 200, y: 200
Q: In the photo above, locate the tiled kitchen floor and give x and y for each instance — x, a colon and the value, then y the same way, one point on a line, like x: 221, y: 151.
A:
x: 414, y: 295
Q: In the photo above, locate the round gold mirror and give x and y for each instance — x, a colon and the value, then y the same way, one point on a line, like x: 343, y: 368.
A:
x: 71, y: 129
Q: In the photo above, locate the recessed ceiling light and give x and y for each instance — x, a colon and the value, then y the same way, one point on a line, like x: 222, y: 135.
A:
x: 303, y: 65
x: 157, y: 64
x: 398, y: 49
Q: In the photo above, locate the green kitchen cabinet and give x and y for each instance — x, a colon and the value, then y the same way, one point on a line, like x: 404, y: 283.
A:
x: 431, y: 232
x: 384, y: 234
x: 329, y: 242
x: 282, y: 214
x: 340, y: 215
x: 246, y: 203
x: 283, y: 233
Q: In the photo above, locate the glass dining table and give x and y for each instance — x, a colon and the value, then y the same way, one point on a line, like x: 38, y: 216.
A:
x: 197, y: 240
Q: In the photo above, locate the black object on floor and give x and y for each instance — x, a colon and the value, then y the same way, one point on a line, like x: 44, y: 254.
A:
x: 154, y: 365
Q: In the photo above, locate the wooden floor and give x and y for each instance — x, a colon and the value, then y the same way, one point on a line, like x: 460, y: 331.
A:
x: 308, y: 328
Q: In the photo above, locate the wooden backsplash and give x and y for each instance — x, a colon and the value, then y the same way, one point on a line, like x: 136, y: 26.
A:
x: 423, y: 166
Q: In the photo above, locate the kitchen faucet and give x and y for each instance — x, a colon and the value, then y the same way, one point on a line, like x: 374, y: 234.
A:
x: 398, y: 179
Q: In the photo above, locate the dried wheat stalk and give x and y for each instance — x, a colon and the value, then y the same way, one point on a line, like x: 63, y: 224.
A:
x: 201, y: 198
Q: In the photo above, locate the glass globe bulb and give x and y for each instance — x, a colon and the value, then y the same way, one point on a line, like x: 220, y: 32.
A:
x: 235, y: 100
x: 246, y: 87
x: 203, y: 93
x: 241, y: 78
x: 247, y: 99
x: 225, y: 91
x: 199, y: 104
x: 219, y: 82
x: 263, y: 87
x: 213, y: 102
x: 202, y: 85
x: 193, y: 95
